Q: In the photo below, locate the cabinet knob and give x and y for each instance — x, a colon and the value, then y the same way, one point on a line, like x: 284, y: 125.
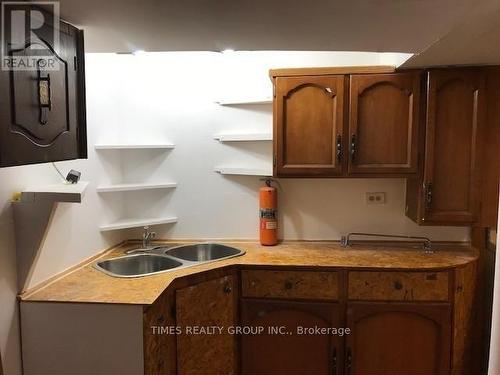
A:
x: 398, y: 285
x: 339, y: 147
x: 288, y: 285
x: 227, y: 289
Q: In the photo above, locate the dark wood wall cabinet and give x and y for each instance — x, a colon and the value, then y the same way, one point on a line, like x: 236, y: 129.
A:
x: 437, y: 128
x: 346, y: 125
x: 42, y: 110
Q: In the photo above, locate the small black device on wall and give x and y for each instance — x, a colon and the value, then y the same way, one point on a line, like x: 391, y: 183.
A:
x: 42, y: 104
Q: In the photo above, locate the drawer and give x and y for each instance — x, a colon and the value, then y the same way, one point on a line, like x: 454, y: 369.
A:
x: 290, y: 284
x: 399, y: 286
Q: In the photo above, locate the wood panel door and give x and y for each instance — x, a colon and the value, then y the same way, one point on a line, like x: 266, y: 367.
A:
x: 207, y: 304
x: 454, y: 110
x: 383, y: 123
x: 308, y: 122
x: 290, y: 353
x: 395, y: 339
x: 42, y: 110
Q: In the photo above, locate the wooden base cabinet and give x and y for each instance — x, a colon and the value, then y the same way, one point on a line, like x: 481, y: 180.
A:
x: 398, y: 338
x: 207, y: 304
x: 290, y: 352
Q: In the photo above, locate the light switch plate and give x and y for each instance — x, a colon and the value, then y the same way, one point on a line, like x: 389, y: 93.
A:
x: 375, y: 198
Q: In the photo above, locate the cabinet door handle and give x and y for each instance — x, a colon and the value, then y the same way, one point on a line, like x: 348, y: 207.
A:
x: 428, y: 195
x: 44, y: 95
x: 353, y: 147
x: 334, y: 362
x: 339, y: 147
x: 349, y: 361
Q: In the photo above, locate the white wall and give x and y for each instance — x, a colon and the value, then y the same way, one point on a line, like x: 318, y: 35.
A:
x: 170, y: 97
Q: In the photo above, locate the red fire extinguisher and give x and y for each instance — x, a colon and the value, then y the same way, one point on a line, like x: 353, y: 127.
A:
x: 268, y: 214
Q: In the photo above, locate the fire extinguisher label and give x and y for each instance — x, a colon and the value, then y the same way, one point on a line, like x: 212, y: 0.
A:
x: 268, y: 213
x: 271, y: 225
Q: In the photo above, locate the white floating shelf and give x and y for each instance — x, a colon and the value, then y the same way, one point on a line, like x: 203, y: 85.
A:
x: 136, y: 186
x: 57, y: 193
x: 133, y: 146
x: 243, y: 137
x: 136, y: 223
x: 245, y: 171
x: 245, y: 101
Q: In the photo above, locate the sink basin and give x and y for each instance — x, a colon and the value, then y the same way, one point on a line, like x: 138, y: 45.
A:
x: 137, y: 265
x: 203, y: 252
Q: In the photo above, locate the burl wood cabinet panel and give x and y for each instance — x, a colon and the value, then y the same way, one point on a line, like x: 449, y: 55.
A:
x: 383, y: 123
x: 448, y: 192
x: 290, y: 354
x: 397, y: 338
x: 399, y: 286
x: 290, y: 284
x: 308, y: 125
x: 42, y: 111
x: 209, y: 303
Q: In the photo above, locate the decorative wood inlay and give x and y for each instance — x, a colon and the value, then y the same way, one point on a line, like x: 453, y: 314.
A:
x: 290, y: 284
x: 399, y: 286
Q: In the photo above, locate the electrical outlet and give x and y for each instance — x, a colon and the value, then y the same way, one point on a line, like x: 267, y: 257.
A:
x: 375, y: 198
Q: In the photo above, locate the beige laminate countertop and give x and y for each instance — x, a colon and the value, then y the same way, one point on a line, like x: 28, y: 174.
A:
x: 86, y: 284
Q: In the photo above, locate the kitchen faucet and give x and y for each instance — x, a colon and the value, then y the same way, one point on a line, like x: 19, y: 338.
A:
x: 147, y: 236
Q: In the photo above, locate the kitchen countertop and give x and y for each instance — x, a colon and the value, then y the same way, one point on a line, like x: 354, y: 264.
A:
x: 85, y: 284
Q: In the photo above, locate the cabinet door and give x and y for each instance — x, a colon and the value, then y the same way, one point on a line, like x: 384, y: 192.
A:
x: 207, y: 304
x: 454, y: 110
x: 308, y: 122
x: 383, y: 123
x: 395, y: 339
x: 289, y: 354
x: 30, y: 133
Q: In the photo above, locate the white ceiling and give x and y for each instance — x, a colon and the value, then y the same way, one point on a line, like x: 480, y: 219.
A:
x: 412, y: 26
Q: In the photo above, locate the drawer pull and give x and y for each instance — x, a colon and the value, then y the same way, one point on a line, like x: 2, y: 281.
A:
x: 288, y: 285
x: 398, y: 285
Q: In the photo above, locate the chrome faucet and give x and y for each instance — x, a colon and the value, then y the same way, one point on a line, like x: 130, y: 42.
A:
x: 147, y: 236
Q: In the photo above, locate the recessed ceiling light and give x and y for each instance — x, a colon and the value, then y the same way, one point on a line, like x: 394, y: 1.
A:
x: 138, y: 52
x: 228, y: 51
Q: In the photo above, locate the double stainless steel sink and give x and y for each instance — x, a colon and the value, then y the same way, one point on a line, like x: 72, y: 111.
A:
x: 144, y: 262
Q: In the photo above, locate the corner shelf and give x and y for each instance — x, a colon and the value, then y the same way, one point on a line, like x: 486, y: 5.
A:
x: 244, y: 171
x: 230, y: 102
x: 243, y: 137
x: 135, y: 186
x: 133, y: 146
x: 72, y: 193
x: 136, y: 223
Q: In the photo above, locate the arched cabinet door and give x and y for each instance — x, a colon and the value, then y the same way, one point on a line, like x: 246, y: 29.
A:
x: 308, y: 122
x: 398, y: 338
x: 455, y: 111
x: 383, y: 123
x: 289, y: 352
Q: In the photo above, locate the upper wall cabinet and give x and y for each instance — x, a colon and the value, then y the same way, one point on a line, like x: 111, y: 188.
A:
x: 315, y: 137
x: 448, y: 191
x: 383, y: 123
x: 308, y: 125
x: 42, y: 108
